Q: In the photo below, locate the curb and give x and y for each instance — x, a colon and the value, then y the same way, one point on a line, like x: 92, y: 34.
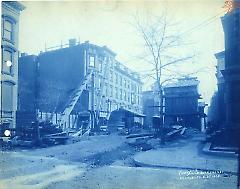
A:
x: 206, y: 150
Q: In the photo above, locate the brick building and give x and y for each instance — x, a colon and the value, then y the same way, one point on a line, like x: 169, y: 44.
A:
x: 231, y: 73
x: 56, y: 74
x: 219, y: 111
x: 9, y: 64
x: 230, y: 128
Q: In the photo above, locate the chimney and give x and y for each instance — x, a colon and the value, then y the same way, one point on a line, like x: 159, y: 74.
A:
x: 72, y: 42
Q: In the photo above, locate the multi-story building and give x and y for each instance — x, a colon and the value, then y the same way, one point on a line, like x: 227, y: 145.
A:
x: 60, y: 71
x: 220, y: 67
x: 231, y: 73
x: 230, y: 128
x: 9, y: 65
x: 220, y: 95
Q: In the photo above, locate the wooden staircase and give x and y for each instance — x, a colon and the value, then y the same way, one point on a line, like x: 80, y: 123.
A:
x: 73, y: 100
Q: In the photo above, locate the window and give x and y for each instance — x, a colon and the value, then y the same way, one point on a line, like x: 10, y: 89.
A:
x: 138, y: 102
x: 99, y: 82
x: 116, y: 78
x: 92, y: 61
x: 7, y: 96
x: 111, y: 90
x: 128, y: 97
x: 100, y: 66
x: 133, y: 98
x: 125, y: 95
x: 7, y: 62
x: 8, y: 30
x: 111, y: 62
x: 120, y: 94
x: 133, y: 87
x: 125, y: 83
x: 120, y: 80
x: 116, y: 92
x: 111, y: 75
x: 106, y: 90
x: 128, y: 84
x: 138, y: 90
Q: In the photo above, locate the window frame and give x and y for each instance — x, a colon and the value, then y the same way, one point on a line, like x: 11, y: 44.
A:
x: 11, y: 70
x: 3, y: 110
x: 116, y: 92
x: 92, y: 61
x: 111, y: 91
x: 12, y: 21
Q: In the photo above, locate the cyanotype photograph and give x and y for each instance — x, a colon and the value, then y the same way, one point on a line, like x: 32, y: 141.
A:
x: 120, y: 94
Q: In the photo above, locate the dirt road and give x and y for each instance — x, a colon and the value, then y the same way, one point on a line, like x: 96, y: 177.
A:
x: 97, y: 162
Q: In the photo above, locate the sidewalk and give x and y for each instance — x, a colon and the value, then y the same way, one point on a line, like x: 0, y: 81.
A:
x: 186, y: 157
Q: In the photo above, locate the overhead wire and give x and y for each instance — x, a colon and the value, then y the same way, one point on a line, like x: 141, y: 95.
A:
x: 204, y: 23
x: 191, y: 30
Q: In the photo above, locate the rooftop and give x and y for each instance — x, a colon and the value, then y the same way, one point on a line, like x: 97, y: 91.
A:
x: 184, y: 82
x: 73, y: 43
x: 16, y: 5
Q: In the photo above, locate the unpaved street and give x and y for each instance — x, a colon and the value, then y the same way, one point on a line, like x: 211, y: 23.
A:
x: 95, y: 162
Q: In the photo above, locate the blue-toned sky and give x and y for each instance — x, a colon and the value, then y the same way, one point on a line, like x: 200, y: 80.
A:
x: 108, y: 23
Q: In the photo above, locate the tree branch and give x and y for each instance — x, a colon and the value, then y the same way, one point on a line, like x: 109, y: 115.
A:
x: 177, y: 61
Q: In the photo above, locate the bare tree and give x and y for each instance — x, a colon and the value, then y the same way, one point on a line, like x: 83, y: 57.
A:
x: 162, y: 45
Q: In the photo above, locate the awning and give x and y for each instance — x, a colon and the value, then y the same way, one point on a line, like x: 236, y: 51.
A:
x: 139, y: 115
x: 130, y: 113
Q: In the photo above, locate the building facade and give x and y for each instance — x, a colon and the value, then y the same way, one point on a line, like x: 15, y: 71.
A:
x: 231, y: 28
x: 220, y: 110
x: 58, y: 72
x: 9, y: 64
x: 149, y: 108
x: 181, y: 103
x: 230, y: 132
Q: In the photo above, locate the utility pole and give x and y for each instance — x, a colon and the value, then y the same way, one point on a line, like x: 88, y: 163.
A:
x: 37, y: 97
x: 92, y: 104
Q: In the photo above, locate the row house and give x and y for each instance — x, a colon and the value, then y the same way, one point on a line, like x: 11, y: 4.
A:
x: 9, y: 63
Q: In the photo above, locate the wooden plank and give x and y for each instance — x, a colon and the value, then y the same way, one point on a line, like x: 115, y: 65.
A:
x: 139, y: 135
x: 183, y: 130
x: 173, y: 132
